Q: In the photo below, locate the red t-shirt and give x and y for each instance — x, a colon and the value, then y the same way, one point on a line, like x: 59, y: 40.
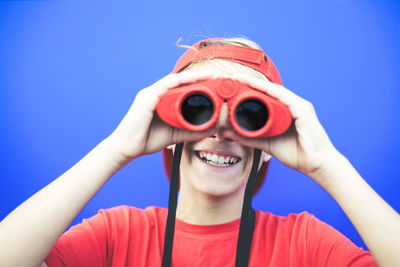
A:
x: 127, y: 236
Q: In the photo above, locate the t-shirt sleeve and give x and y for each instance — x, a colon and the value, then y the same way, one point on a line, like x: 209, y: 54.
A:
x: 84, y: 244
x: 328, y: 247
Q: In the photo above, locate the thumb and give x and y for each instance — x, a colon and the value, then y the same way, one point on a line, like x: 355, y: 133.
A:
x: 179, y: 135
x: 259, y: 143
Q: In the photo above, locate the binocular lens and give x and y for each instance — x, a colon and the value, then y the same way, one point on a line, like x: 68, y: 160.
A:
x: 197, y: 109
x: 251, y: 115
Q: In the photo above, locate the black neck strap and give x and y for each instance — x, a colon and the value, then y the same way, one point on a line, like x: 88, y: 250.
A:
x: 173, y: 196
x: 247, y: 221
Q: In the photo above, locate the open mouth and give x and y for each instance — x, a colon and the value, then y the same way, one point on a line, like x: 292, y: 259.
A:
x: 217, y: 160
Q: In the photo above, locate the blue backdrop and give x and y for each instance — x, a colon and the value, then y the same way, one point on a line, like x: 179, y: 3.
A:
x: 69, y: 71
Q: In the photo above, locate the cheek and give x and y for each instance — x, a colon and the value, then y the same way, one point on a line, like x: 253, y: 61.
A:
x: 187, y: 153
x: 264, y: 157
x: 248, y: 160
x: 186, y: 162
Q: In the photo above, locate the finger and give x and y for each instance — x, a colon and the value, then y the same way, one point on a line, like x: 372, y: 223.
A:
x: 275, y: 90
x: 149, y: 96
x: 175, y: 79
x: 297, y: 105
x: 146, y: 100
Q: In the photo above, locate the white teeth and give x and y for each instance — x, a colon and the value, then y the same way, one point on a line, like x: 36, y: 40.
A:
x: 218, y: 165
x: 216, y: 160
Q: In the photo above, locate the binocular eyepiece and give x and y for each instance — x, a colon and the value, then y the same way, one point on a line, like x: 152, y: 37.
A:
x: 196, y: 107
x: 251, y: 114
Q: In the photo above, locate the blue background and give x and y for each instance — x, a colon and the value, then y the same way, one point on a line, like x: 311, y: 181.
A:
x: 69, y: 71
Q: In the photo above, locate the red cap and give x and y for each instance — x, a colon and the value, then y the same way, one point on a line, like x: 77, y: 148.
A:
x: 250, y: 57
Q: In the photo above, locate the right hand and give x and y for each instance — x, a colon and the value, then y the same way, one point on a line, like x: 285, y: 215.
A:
x: 142, y: 132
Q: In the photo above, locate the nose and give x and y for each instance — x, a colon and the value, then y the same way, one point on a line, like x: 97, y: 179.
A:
x: 223, y: 124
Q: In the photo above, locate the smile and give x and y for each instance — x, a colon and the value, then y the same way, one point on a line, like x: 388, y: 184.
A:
x: 217, y: 160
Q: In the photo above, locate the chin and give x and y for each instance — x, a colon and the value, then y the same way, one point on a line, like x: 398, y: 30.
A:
x: 219, y: 189
x: 227, y: 178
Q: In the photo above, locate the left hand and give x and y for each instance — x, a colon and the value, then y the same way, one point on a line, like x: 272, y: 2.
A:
x: 305, y: 146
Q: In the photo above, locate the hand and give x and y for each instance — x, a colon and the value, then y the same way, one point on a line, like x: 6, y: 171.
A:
x: 142, y: 132
x: 305, y: 146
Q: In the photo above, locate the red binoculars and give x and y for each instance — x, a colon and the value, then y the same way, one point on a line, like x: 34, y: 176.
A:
x: 196, y: 107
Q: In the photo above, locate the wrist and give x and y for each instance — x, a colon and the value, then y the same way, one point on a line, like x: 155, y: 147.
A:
x: 331, y: 170
x: 113, y: 147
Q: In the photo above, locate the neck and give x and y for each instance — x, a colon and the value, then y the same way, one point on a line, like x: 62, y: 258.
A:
x: 204, y: 209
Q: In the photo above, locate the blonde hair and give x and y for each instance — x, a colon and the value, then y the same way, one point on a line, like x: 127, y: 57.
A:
x: 226, y: 66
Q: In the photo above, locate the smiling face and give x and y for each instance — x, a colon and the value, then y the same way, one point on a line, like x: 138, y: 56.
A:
x: 214, y: 171
x: 217, y: 166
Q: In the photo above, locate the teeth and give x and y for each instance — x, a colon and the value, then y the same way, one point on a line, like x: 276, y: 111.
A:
x: 215, y: 160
